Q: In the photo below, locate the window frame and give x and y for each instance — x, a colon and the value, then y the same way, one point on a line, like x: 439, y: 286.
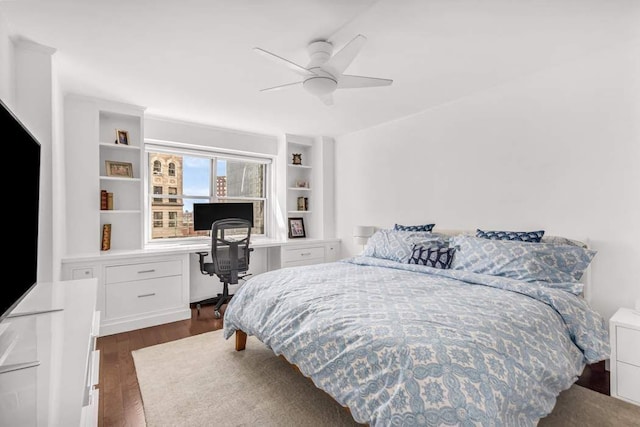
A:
x: 212, y: 154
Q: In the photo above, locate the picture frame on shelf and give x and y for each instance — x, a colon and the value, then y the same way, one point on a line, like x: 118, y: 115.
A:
x: 122, y: 137
x: 296, y: 228
x: 119, y: 169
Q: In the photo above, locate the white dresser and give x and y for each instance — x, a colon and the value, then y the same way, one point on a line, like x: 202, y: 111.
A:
x: 625, y: 355
x: 60, y: 389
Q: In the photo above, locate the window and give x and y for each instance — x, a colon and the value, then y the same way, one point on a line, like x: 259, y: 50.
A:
x: 173, y: 216
x: 157, y: 167
x: 157, y: 190
x: 201, y: 176
x: 157, y: 219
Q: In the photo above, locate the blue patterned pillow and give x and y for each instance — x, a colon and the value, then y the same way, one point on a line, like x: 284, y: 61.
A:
x: 423, y: 227
x: 522, y: 236
x: 397, y: 245
x: 543, y: 262
x: 435, y: 256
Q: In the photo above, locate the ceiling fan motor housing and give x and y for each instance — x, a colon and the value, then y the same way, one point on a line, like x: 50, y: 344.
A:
x: 323, y: 82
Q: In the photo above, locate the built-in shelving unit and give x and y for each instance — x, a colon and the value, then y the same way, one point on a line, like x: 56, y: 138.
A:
x: 298, y: 180
x: 126, y: 216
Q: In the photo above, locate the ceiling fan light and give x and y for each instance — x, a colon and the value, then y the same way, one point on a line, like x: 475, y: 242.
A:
x: 320, y: 85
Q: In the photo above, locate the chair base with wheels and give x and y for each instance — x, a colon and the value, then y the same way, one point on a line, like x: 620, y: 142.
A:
x: 230, y: 258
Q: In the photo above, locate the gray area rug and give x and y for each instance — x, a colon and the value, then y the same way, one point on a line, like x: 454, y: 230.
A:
x: 203, y: 381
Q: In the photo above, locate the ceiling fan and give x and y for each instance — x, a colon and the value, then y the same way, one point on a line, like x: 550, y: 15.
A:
x: 324, y: 73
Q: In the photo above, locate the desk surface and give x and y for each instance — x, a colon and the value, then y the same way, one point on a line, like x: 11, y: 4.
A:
x: 180, y: 248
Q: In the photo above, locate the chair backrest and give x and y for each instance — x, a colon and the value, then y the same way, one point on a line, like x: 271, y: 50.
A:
x: 230, y: 251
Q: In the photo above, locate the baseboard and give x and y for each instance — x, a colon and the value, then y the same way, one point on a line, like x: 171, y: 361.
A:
x: 118, y: 326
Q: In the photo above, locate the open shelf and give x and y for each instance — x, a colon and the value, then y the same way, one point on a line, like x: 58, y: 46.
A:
x: 120, y: 211
x: 113, y: 146
x: 299, y: 188
x: 299, y: 166
x: 299, y: 212
x: 118, y: 178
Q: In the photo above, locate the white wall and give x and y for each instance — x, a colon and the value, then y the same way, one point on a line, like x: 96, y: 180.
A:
x: 192, y: 133
x: 7, y: 92
x: 34, y: 103
x: 558, y: 150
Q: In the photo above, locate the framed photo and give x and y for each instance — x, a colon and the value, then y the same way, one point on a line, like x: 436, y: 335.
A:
x: 121, y: 169
x: 122, y: 137
x: 296, y: 228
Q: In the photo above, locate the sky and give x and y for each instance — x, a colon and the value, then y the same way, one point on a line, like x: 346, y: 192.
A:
x: 195, y: 174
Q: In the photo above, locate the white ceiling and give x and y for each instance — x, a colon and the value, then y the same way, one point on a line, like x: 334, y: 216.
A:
x: 192, y: 60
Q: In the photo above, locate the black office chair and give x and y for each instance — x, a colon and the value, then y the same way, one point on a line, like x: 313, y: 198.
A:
x: 230, y: 257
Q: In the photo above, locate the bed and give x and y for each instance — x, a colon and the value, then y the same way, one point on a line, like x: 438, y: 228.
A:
x: 399, y: 343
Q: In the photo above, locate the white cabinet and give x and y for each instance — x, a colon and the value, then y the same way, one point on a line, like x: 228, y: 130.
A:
x: 309, y: 252
x: 625, y: 355
x: 60, y: 388
x: 138, y: 291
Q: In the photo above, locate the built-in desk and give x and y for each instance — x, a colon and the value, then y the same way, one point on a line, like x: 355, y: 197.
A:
x: 59, y: 390
x: 146, y: 287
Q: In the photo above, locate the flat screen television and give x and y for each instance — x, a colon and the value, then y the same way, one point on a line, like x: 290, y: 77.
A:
x: 205, y: 214
x: 26, y: 152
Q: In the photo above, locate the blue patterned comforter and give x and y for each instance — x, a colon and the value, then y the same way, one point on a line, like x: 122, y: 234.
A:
x: 405, y: 344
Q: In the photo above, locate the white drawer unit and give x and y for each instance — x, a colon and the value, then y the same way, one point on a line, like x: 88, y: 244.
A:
x: 142, y: 296
x: 139, y: 291
x: 625, y: 355
x: 295, y: 254
x: 147, y: 270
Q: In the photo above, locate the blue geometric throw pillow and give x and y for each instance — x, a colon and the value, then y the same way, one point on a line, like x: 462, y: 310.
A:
x: 436, y: 257
x: 521, y: 236
x: 423, y: 227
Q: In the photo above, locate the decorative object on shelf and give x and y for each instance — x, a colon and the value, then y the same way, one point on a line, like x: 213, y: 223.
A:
x: 296, y: 228
x: 122, y: 137
x: 297, y: 158
x: 302, y: 184
x: 361, y: 234
x: 121, y: 169
x: 106, y: 237
x: 302, y: 204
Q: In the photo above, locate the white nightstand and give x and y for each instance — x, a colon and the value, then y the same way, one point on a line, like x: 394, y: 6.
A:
x: 625, y: 355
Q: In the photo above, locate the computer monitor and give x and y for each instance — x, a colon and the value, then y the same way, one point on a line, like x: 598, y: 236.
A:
x: 205, y: 214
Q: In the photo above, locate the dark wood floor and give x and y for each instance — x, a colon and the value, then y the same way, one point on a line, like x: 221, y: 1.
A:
x: 120, y: 401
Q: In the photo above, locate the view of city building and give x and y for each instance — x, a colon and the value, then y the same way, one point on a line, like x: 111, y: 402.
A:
x: 170, y: 218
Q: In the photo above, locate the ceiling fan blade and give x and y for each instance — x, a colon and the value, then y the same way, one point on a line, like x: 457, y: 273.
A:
x: 341, y: 60
x: 280, y: 87
x: 327, y: 99
x: 291, y: 65
x: 347, y: 81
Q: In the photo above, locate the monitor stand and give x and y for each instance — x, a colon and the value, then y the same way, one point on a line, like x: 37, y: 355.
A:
x: 31, y: 364
x: 18, y: 366
x: 33, y: 313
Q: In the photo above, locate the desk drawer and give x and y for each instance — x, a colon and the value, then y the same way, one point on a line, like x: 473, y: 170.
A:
x: 143, y: 296
x: 299, y: 254
x: 147, y: 270
x: 628, y: 345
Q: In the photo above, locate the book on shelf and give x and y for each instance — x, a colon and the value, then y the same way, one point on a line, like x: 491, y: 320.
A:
x: 106, y: 237
x: 106, y: 200
x: 109, y: 201
x: 103, y: 200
